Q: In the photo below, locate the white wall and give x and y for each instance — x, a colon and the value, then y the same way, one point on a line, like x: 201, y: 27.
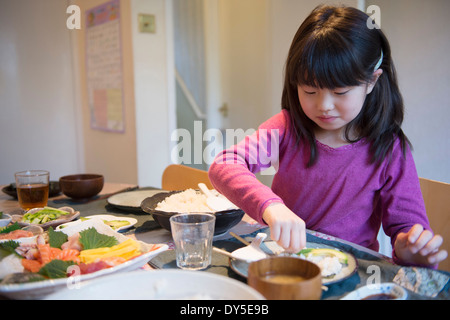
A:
x: 418, y: 32
x: 41, y: 122
x: 38, y: 122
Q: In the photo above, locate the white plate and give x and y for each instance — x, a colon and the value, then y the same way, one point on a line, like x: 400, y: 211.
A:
x: 102, y: 217
x: 131, y: 201
x: 38, y: 290
x: 24, y: 240
x: 241, y: 267
x: 161, y: 284
x: 36, y: 230
x: 388, y: 288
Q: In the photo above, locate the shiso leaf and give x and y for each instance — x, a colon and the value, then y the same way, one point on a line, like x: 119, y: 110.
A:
x: 56, y: 238
x: 10, y: 228
x: 92, y: 239
x: 7, y: 248
x: 305, y: 251
x: 56, y: 269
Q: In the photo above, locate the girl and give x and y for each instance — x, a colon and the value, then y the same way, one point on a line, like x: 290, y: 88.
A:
x: 343, y: 164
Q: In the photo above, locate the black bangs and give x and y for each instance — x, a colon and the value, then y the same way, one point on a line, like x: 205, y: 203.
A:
x: 328, y: 61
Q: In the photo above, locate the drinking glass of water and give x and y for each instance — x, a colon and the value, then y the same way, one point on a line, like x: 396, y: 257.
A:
x: 193, y: 234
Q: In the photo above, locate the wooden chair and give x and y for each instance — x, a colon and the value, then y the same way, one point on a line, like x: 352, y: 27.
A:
x: 180, y: 177
x: 437, y: 203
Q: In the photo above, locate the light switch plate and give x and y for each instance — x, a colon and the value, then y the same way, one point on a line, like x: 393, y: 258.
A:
x: 147, y: 23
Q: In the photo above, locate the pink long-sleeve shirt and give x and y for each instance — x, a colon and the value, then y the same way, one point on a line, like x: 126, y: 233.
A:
x: 342, y: 194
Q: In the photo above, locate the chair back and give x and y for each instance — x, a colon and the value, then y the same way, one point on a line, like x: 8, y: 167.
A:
x: 181, y: 177
x: 437, y: 203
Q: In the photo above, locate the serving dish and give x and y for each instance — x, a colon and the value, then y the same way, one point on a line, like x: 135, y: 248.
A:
x: 225, y: 220
x: 36, y: 230
x: 161, y: 284
x: 73, y: 214
x: 241, y: 266
x: 107, y: 219
x: 38, y: 290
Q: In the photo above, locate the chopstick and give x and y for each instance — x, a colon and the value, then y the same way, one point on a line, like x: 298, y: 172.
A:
x: 225, y: 253
x: 240, y: 238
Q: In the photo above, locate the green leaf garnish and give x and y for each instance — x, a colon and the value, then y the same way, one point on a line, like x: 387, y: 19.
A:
x: 92, y: 239
x: 8, y: 247
x: 56, y: 269
x: 10, y: 228
x: 56, y: 238
x: 304, y: 251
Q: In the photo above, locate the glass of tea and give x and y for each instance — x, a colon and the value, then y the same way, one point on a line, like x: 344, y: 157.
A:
x: 32, y: 188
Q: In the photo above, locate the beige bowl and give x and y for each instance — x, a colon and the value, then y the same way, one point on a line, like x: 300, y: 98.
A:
x: 5, y: 220
x: 286, y: 278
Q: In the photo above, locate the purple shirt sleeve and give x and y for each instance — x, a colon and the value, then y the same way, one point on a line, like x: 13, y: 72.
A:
x: 233, y: 171
x: 401, y: 197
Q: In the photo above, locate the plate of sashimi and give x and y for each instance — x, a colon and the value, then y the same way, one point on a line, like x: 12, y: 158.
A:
x: 57, y: 259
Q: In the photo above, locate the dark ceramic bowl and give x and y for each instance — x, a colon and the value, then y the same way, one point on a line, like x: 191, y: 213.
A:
x: 81, y: 186
x: 225, y: 220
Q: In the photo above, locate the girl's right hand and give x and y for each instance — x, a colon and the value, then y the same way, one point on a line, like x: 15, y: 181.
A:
x: 286, y: 228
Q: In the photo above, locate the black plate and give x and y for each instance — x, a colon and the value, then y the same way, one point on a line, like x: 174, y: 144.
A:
x: 53, y: 191
x: 131, y: 200
x: 225, y: 220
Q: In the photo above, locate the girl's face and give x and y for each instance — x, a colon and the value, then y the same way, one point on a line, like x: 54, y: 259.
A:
x: 332, y: 110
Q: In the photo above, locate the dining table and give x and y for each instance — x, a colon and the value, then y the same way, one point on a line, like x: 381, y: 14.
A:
x: 419, y: 283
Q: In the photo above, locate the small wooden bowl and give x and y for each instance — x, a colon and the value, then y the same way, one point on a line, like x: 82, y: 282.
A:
x: 262, y: 277
x: 81, y: 186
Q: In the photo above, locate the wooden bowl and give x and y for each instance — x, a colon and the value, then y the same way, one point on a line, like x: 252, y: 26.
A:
x: 286, y: 278
x: 81, y: 186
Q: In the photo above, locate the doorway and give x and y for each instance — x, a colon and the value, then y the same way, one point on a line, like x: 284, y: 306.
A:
x: 190, y: 75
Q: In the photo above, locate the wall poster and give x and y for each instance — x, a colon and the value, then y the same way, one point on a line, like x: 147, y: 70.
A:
x: 104, y: 67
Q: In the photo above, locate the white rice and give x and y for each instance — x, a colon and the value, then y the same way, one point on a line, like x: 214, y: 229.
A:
x: 189, y: 200
x: 328, y: 265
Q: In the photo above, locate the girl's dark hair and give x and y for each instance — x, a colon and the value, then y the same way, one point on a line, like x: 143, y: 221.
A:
x: 334, y: 47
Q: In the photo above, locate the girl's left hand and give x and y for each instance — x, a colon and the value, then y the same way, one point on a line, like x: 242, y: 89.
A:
x: 419, y: 246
